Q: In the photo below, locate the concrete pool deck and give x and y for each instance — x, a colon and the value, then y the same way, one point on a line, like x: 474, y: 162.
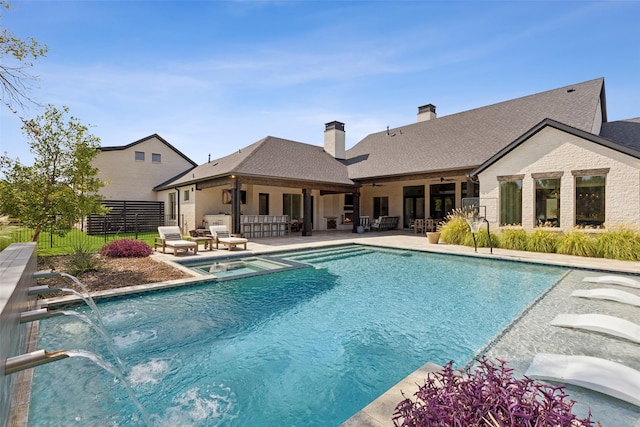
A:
x: 529, y: 334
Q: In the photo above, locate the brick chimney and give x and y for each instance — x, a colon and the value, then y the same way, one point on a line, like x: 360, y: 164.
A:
x: 426, y: 112
x: 334, y: 139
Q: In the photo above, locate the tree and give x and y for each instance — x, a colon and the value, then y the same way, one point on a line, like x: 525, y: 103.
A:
x: 17, y: 56
x: 61, y: 187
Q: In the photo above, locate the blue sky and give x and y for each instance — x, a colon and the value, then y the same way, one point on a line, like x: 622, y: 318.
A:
x: 214, y: 76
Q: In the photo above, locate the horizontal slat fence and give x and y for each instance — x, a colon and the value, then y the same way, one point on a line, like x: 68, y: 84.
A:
x: 127, y: 217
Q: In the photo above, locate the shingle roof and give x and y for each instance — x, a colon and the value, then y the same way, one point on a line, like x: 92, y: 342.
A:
x: 467, y: 139
x: 625, y: 132
x: 273, y: 158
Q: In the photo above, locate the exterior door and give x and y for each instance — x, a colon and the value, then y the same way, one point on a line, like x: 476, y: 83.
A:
x: 443, y: 200
x: 413, y: 204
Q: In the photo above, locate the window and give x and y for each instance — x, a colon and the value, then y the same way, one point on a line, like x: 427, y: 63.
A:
x: 590, y: 200
x: 186, y: 195
x: 510, y: 200
x: 140, y: 156
x: 155, y: 158
x: 547, y: 202
x: 380, y: 206
x: 263, y: 204
x: 291, y: 205
x: 173, y: 214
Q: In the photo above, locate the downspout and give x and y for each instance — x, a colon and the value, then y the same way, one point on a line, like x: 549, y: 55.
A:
x: 178, y: 207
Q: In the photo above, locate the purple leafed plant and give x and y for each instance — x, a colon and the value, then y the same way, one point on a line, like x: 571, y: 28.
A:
x: 486, y: 395
x: 126, y: 248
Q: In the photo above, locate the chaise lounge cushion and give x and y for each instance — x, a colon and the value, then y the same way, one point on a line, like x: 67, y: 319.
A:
x: 220, y: 234
x: 170, y: 237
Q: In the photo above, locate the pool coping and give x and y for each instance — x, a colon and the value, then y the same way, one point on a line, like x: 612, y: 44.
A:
x: 379, y: 412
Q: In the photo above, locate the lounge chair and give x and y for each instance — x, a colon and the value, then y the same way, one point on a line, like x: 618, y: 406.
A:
x: 170, y: 237
x: 610, y: 325
x: 220, y: 235
x: 614, y: 280
x: 601, y: 375
x: 608, y: 294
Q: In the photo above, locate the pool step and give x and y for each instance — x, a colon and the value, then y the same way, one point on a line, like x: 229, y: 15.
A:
x: 320, y: 252
x: 329, y: 254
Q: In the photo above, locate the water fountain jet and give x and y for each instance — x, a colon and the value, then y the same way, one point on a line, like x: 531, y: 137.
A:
x: 41, y: 313
x: 33, y: 359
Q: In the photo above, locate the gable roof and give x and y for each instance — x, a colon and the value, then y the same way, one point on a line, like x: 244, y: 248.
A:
x: 626, y: 132
x: 156, y: 136
x: 272, y: 157
x: 467, y: 139
x: 623, y: 148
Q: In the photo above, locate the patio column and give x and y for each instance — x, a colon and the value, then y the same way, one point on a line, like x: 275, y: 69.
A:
x: 306, y: 209
x: 235, y: 205
x: 356, y: 211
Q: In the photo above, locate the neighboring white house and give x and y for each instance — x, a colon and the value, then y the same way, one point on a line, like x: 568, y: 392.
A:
x: 132, y: 171
x: 550, y: 159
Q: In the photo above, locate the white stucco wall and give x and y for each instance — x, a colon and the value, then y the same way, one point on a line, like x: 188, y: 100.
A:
x: 131, y: 179
x: 552, y: 150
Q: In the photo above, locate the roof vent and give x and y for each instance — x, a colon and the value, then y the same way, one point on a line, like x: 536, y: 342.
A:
x: 571, y: 90
x: 426, y: 112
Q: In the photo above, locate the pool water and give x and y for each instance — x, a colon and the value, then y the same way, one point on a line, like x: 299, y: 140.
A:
x: 302, y: 347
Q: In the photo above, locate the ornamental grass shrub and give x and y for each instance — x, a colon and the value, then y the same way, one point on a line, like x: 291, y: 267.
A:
x: 482, y: 239
x: 542, y: 241
x: 82, y: 259
x: 126, y: 248
x: 622, y: 243
x: 486, y: 395
x: 577, y: 243
x: 455, y: 230
x: 514, y: 239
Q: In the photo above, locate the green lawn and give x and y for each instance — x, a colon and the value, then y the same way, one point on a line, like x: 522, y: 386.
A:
x: 52, y: 244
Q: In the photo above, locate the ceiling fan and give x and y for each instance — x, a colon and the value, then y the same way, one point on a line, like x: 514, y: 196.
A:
x: 443, y: 179
x: 373, y: 184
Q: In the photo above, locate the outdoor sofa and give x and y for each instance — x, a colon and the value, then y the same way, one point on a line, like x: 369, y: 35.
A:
x: 386, y: 223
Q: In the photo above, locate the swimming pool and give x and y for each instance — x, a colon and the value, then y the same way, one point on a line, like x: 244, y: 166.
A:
x: 306, y: 347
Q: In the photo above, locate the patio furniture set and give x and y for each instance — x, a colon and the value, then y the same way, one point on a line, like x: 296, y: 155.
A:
x: 171, y: 237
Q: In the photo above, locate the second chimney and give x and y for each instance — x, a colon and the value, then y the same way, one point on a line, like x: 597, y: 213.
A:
x: 426, y: 112
x: 334, y: 139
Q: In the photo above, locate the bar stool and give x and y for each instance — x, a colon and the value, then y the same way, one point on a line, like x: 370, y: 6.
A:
x: 273, y: 225
x: 258, y: 226
x: 282, y: 224
x: 247, y: 225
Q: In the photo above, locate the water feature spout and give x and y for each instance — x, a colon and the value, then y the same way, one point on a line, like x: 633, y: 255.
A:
x: 42, y: 290
x: 33, y: 359
x: 41, y: 313
x: 44, y: 274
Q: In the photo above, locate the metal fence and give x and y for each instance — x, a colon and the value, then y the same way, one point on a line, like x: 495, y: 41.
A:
x: 51, y: 241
